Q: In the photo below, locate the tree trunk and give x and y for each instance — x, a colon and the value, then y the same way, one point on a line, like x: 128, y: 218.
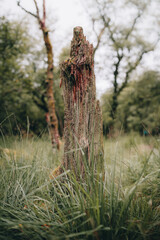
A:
x: 83, y: 139
x: 114, y: 106
x: 53, y: 122
x: 52, y: 118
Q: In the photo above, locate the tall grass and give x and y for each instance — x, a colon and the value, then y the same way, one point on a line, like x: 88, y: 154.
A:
x: 124, y: 203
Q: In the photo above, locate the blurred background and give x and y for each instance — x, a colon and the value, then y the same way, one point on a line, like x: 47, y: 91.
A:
x: 125, y: 35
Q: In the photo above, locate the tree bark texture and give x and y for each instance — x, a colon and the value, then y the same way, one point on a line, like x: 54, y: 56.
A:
x: 51, y: 117
x: 83, y: 139
x: 53, y: 122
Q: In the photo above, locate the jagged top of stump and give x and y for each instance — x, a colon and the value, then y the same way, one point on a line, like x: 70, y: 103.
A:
x: 81, y: 49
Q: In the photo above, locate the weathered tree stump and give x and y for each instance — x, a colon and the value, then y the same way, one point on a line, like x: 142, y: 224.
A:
x: 83, y: 140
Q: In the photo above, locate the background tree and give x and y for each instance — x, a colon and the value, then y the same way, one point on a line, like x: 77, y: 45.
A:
x: 116, y: 25
x: 138, y: 105
x: 22, y: 81
x: 52, y: 118
x: 14, y: 46
x: 36, y: 86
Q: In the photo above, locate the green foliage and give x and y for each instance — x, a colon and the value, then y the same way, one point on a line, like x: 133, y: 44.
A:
x: 65, y: 54
x: 15, y: 101
x: 59, y: 100
x: 36, y: 88
x: 139, y: 104
x: 123, y: 204
x: 22, y: 81
x: 138, y: 108
x: 106, y: 109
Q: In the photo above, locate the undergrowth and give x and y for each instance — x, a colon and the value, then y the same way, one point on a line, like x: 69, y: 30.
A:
x: 124, y: 203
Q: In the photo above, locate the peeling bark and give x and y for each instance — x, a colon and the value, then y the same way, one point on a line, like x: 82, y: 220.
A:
x: 82, y: 118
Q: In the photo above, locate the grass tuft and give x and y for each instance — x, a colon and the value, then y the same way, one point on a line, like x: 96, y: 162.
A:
x: 124, y: 203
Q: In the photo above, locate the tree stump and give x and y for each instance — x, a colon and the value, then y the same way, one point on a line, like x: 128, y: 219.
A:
x: 83, y: 139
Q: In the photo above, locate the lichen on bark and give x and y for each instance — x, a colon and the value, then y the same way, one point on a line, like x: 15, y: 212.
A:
x: 83, y: 139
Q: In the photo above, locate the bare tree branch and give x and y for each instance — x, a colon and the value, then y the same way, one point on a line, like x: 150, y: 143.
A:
x: 116, y: 71
x: 132, y: 68
x: 106, y: 23
x: 18, y: 3
x: 37, y: 9
x: 105, y: 26
x: 98, y: 40
x: 133, y: 25
x: 44, y: 13
x: 41, y: 21
x: 38, y: 15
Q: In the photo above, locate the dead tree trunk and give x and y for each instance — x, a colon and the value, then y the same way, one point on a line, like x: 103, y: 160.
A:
x: 82, y: 118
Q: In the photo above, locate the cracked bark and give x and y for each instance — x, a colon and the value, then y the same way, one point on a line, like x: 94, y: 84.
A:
x: 83, y: 139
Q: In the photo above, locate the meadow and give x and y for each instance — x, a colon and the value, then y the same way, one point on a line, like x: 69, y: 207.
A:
x: 124, y: 203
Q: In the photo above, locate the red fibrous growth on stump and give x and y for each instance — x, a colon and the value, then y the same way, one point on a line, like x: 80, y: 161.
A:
x: 83, y: 118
